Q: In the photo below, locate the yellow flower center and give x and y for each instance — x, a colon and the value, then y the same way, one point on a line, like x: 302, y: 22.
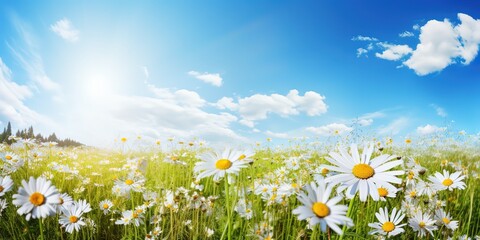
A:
x: 408, y: 141
x: 421, y: 224
x: 410, y: 176
x: 446, y: 220
x: 447, y: 182
x: 1, y: 188
x: 388, y: 227
x: 123, y: 139
x: 413, y: 194
x: 73, y: 219
x: 105, y: 206
x: 37, y: 199
x: 383, y: 192
x: 324, y: 171
x: 129, y: 181
x: 8, y: 157
x: 135, y: 215
x: 242, y: 157
x: 294, y: 185
x: 223, y: 164
x: 320, y: 209
x: 363, y: 171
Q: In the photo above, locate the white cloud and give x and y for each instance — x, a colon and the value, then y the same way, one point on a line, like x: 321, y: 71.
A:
x: 330, y: 129
x: 441, y: 44
x: 12, y: 96
x: 212, y: 78
x: 394, y: 127
x: 226, y: 103
x: 65, y: 29
x: 247, y: 123
x: 438, y: 47
x: 276, y: 135
x: 393, y: 52
x: 177, y: 113
x: 440, y: 111
x: 429, y: 129
x: 258, y: 106
x: 364, y: 38
x: 406, y: 34
x: 365, y: 122
x: 361, y: 51
x: 182, y: 97
x: 469, y: 32
x: 416, y: 27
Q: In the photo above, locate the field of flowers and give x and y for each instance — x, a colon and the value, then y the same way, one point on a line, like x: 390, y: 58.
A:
x: 369, y: 190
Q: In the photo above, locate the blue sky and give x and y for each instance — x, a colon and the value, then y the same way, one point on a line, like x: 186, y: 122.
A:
x: 95, y: 71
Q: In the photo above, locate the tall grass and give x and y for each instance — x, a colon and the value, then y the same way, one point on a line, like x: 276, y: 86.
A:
x: 92, y: 172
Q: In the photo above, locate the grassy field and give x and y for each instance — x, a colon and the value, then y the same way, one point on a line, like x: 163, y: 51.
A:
x: 156, y: 194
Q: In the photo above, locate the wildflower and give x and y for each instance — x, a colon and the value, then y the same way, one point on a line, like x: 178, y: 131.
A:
x: 37, y: 198
x: 244, y: 208
x: 106, y: 205
x: 360, y: 174
x: 209, y: 232
x: 131, y: 183
x: 447, y: 180
x: 175, y: 159
x: 71, y: 219
x: 444, y: 219
x: 422, y: 223
x: 320, y: 209
x: 426, y: 188
x: 6, y: 184
x: 388, y: 225
x: 130, y: 217
x: 384, y: 192
x: 218, y: 164
x: 65, y: 201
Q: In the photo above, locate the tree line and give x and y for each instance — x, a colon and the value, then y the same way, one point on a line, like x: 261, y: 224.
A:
x: 28, y: 133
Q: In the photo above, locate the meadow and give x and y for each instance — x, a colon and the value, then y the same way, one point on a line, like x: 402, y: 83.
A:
x: 371, y: 189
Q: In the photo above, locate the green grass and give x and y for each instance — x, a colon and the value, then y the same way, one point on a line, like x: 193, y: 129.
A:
x: 97, y: 181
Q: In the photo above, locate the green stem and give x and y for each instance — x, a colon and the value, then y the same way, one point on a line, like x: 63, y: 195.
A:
x: 350, y: 206
x: 470, y: 211
x: 41, y: 228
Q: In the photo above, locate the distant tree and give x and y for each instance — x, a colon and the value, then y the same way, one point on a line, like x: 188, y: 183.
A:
x: 30, y: 133
x: 8, y: 133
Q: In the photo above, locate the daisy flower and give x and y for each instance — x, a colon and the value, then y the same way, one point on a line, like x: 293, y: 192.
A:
x: 6, y: 184
x: 384, y: 192
x: 131, y: 183
x: 447, y: 180
x: 105, y: 206
x: 217, y: 164
x: 388, y: 225
x: 444, y: 219
x: 320, y: 209
x: 130, y: 217
x: 361, y: 174
x: 72, y: 219
x: 37, y: 198
x: 422, y: 223
x: 65, y: 201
